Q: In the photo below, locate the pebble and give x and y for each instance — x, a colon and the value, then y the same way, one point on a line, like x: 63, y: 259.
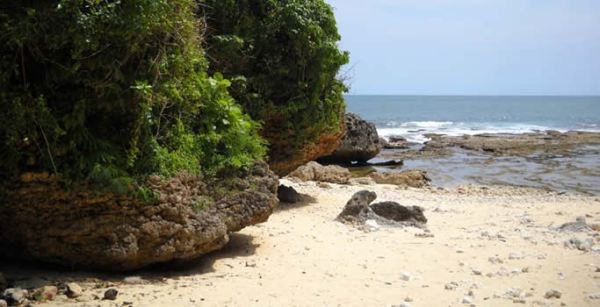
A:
x: 595, y: 296
x: 553, y: 294
x: 408, y: 299
x: 495, y: 260
x: 476, y: 272
x: 451, y: 286
x: 111, y: 294
x: 73, y: 290
x: 15, y: 296
x: 467, y: 300
x: 406, y: 276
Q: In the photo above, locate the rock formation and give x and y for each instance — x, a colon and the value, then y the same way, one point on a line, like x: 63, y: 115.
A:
x: 314, y: 171
x: 412, y: 178
x: 359, y: 211
x: 360, y: 144
x: 83, y: 228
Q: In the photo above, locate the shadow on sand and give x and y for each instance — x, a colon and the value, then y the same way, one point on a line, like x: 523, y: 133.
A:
x: 28, y: 275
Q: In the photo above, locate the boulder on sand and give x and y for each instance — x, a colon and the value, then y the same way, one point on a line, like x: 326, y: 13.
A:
x: 360, y: 211
x: 412, y: 178
x: 84, y: 228
x: 314, y: 171
x: 360, y: 144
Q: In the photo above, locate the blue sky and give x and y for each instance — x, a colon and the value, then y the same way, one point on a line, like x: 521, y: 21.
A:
x: 485, y: 47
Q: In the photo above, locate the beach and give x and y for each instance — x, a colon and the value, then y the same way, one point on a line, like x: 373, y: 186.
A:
x: 483, y: 246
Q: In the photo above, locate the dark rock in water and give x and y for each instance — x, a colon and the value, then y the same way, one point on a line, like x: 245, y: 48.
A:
x: 83, y: 227
x: 394, y: 163
x: 398, y: 213
x: 15, y: 296
x: 360, y: 144
x: 111, y: 294
x: 358, y: 205
x: 288, y: 195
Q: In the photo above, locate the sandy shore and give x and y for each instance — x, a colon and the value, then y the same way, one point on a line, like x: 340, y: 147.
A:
x: 490, y: 247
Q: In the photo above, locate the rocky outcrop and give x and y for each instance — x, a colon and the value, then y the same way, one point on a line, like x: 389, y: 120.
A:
x: 359, y: 211
x: 314, y: 171
x: 412, y: 178
x: 360, y: 144
x: 283, y: 159
x: 85, y: 228
x: 396, y: 142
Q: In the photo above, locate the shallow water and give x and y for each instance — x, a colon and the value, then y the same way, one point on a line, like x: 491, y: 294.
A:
x: 579, y: 172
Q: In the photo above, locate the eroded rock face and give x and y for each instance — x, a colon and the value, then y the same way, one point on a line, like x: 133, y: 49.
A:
x: 398, y: 213
x: 314, y: 171
x: 412, y: 178
x: 81, y: 228
x: 360, y: 144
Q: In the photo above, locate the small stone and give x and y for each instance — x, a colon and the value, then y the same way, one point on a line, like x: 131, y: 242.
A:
x: 451, y: 286
x: 406, y: 276
x: 73, y: 290
x: 553, y: 294
x: 519, y: 301
x: 525, y: 269
x: 46, y: 293
x: 15, y: 296
x: 594, y: 296
x: 408, y: 300
x: 476, y: 272
x: 467, y: 300
x: 3, y: 303
x: 495, y: 260
x: 111, y: 294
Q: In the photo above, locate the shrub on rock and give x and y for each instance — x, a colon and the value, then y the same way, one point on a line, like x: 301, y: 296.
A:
x: 283, y: 59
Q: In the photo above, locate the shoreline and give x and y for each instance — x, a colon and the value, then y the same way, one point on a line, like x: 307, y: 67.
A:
x: 490, y: 245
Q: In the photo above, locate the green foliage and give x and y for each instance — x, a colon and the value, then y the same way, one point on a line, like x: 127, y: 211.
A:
x: 282, y: 57
x: 112, y: 91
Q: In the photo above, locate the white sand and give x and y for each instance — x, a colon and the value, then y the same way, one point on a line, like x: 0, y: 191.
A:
x: 302, y: 257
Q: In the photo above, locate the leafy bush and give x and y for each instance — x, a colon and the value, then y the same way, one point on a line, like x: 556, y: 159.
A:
x: 112, y: 90
x: 282, y: 57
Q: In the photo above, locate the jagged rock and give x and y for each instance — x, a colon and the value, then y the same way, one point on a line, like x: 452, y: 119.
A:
x: 360, y: 144
x: 314, y: 171
x: 110, y: 294
x: 84, y: 228
x: 73, y: 290
x: 398, y: 213
x: 288, y: 195
x: 15, y: 296
x: 413, y: 178
x: 46, y: 293
x: 357, y: 206
x: 359, y: 210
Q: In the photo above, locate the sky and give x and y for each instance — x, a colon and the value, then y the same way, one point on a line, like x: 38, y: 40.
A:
x: 471, y: 47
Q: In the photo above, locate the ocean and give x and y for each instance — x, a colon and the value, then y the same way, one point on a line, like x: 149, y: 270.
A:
x: 413, y: 117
